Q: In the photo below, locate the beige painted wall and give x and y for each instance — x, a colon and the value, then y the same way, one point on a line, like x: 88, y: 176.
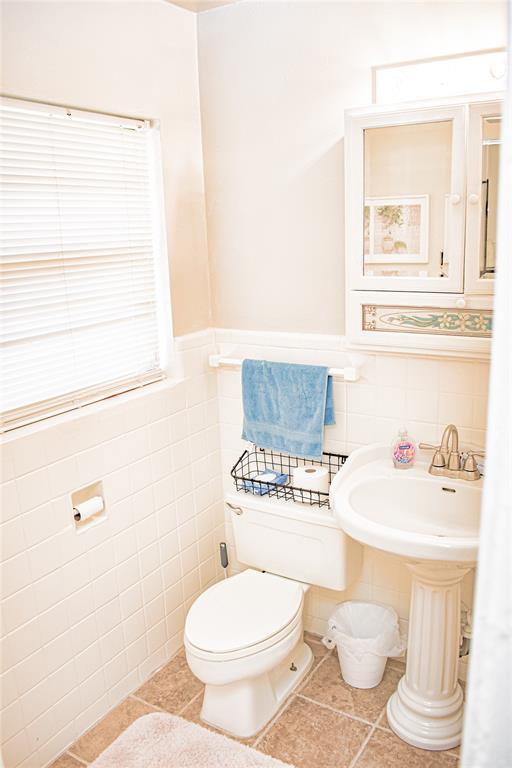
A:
x: 275, y: 79
x: 137, y: 59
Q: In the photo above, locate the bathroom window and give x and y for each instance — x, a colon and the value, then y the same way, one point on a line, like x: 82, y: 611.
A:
x: 85, y: 309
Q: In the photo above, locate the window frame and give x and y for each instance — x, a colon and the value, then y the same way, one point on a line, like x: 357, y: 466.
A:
x: 37, y: 411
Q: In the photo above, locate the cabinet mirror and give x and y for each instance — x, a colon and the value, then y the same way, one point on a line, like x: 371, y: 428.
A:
x: 407, y: 188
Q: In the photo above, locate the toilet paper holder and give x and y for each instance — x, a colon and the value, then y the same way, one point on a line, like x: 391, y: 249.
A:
x: 88, y: 506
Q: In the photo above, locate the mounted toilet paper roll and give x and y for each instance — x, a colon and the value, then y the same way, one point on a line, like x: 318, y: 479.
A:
x: 88, y: 508
x: 311, y: 478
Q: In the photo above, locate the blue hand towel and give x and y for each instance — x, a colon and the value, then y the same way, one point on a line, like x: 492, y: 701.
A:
x: 286, y: 406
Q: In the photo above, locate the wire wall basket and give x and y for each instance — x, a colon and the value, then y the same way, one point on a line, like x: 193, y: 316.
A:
x: 257, y: 460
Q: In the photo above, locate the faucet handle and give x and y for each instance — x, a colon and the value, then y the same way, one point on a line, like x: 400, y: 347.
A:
x: 470, y: 466
x: 438, y: 458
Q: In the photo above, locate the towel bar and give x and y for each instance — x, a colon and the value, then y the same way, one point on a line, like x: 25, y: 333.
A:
x: 350, y: 373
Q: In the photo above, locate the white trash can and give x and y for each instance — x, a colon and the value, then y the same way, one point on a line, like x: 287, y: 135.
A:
x: 365, y: 634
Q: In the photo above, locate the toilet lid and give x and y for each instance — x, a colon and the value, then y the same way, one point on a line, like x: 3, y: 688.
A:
x: 242, y: 611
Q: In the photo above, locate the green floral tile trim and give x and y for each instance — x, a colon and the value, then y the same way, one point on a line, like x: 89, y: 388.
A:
x: 447, y: 322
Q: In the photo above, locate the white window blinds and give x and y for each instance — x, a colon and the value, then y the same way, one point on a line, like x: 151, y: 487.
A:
x: 81, y: 244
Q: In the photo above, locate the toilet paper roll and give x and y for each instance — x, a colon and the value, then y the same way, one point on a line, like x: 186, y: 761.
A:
x: 88, y: 508
x: 311, y: 478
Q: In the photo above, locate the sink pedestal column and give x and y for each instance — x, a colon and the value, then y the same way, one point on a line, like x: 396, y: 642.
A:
x: 426, y: 709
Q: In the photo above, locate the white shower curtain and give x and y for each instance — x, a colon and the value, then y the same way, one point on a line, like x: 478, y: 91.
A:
x: 488, y: 720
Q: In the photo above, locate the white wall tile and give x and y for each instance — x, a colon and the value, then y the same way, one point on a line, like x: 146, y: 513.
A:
x: 18, y: 609
x: 108, y: 616
x: 130, y: 601
x: 9, y: 501
x: 12, y: 538
x: 178, y: 427
x: 141, y: 476
x: 16, y: 749
x: 14, y: 574
x: 63, y: 476
x: 458, y: 377
x: 11, y: 720
x: 91, y: 465
x: 78, y: 605
x: 8, y: 687
x: 58, y: 651
x: 31, y: 671
x: 29, y: 454
x: 423, y: 373
x: 456, y: 409
x: 33, y: 489
x: 159, y: 434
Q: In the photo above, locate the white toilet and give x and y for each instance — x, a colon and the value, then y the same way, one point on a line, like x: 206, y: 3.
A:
x: 244, y: 635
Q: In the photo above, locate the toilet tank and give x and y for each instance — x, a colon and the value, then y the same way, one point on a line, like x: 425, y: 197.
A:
x: 293, y: 540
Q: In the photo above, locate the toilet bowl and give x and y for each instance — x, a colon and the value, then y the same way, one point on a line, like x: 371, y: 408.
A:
x: 244, y: 635
x: 244, y: 640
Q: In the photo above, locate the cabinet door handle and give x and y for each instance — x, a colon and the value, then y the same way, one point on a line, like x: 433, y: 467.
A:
x: 455, y: 199
x: 460, y: 303
x: 236, y: 510
x: 473, y: 198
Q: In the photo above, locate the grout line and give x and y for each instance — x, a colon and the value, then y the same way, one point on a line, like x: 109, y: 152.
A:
x: 384, y: 728
x: 75, y: 757
x: 197, y: 695
x: 361, y: 749
x: 380, y: 717
x: 336, y: 711
x: 147, y: 703
x: 276, y: 717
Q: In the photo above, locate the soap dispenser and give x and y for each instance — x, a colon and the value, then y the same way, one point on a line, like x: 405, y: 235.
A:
x: 404, y: 450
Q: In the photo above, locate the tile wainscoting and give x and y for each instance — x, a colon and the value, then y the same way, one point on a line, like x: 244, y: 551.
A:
x: 88, y: 617
x: 423, y: 393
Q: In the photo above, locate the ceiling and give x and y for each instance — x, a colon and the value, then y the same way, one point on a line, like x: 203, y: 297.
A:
x: 201, y: 5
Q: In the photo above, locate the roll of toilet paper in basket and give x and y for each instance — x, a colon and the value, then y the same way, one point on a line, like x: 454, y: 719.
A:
x: 311, y: 478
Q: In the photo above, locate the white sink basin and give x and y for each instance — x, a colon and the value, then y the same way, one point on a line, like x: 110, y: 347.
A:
x: 407, y: 512
x: 433, y: 523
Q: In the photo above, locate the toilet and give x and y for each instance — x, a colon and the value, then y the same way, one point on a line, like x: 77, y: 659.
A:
x: 244, y: 635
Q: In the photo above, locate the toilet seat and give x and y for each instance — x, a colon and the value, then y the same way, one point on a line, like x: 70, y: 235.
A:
x: 243, y: 615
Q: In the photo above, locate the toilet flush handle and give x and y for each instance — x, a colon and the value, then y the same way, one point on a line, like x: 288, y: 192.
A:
x: 236, y: 510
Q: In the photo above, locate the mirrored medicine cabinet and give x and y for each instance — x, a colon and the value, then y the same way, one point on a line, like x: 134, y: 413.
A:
x: 421, y: 195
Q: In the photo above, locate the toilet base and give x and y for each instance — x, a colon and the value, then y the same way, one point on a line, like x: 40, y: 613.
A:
x: 243, y: 708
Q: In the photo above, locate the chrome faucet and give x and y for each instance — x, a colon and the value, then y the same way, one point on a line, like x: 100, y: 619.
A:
x: 446, y: 460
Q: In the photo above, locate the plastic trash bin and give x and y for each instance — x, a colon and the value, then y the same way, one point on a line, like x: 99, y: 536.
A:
x: 365, y: 634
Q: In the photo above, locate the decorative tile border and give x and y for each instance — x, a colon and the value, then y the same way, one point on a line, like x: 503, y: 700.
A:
x: 433, y: 320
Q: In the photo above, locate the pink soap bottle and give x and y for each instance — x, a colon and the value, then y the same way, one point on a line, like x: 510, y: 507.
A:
x: 404, y: 450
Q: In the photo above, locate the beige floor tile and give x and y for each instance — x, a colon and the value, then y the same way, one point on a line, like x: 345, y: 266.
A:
x: 307, y: 735
x: 385, y: 750
x: 66, y: 761
x: 89, y: 746
x: 172, y: 687
x: 319, y: 649
x: 328, y: 687
x: 193, y: 713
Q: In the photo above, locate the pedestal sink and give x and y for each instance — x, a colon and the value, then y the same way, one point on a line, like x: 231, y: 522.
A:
x: 432, y: 522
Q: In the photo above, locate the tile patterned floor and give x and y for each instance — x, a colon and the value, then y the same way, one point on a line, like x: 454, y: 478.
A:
x: 324, y: 724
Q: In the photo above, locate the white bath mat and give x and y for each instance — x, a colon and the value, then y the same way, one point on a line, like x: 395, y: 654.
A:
x: 166, y: 741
